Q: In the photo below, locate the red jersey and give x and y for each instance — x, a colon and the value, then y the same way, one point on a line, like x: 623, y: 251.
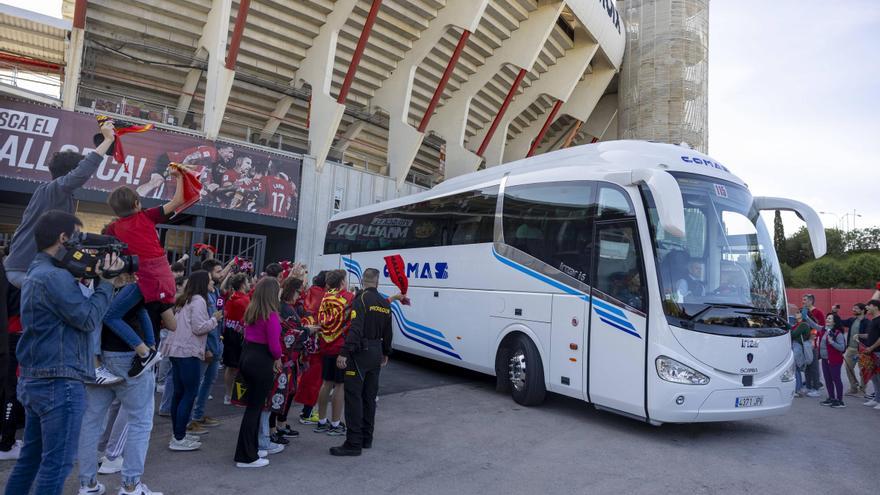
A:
x: 234, y: 309
x: 139, y: 232
x: 278, y: 195
x: 204, y: 154
x: 230, y: 176
x: 154, y: 277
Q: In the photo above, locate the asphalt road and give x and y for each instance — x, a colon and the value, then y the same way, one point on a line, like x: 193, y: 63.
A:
x: 442, y: 430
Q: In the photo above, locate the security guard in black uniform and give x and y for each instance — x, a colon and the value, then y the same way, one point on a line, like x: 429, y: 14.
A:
x: 366, y: 350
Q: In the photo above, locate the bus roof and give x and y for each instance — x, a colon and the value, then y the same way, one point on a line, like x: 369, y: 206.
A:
x: 585, y: 162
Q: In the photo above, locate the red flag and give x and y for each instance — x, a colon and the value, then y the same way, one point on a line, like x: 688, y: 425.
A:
x: 192, y: 187
x: 121, y: 129
x: 201, y: 248
x: 397, y: 274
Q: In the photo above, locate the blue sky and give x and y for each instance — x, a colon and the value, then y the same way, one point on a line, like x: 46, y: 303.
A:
x: 794, y: 99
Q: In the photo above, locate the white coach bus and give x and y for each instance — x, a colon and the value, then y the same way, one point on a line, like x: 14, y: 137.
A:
x: 636, y: 276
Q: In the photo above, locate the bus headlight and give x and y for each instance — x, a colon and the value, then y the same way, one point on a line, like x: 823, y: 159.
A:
x: 672, y: 371
x: 788, y: 375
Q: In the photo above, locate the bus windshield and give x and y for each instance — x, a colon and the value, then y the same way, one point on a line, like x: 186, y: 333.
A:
x: 724, y: 271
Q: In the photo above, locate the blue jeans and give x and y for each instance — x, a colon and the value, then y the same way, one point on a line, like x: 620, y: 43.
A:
x: 186, y: 385
x: 127, y: 298
x: 136, y: 398
x: 209, y: 374
x: 168, y: 393
x: 54, y: 409
x: 264, y: 438
x: 798, y: 380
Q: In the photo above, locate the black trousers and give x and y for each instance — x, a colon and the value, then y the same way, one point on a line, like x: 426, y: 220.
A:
x: 361, y: 387
x: 12, y: 413
x: 256, y: 369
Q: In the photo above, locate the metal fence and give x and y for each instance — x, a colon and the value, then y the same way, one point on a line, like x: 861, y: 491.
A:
x: 179, y: 240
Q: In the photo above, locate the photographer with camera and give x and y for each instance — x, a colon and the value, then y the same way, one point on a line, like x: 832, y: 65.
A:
x: 69, y: 172
x: 155, y: 284
x: 53, y: 352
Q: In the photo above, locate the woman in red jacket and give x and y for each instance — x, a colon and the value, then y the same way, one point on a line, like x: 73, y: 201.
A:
x: 832, y: 344
x: 310, y: 380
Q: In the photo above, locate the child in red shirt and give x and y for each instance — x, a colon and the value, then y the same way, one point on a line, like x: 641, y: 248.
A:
x: 155, y: 282
x: 233, y: 327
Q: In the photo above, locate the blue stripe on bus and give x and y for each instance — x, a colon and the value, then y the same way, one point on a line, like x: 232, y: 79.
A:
x: 615, y: 325
x: 402, y: 326
x: 545, y: 279
x: 415, y: 330
x: 608, y: 313
x: 353, y: 266
x: 608, y: 316
x: 608, y: 307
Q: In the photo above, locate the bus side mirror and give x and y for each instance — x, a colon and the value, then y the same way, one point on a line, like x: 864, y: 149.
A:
x: 805, y: 213
x: 667, y: 197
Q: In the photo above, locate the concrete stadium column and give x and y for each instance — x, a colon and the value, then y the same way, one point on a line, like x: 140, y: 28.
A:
x: 317, y: 70
x: 601, y: 117
x: 664, y: 77
x: 218, y: 83
x: 520, y: 50
x: 395, y: 94
x: 74, y: 55
x: 558, y: 82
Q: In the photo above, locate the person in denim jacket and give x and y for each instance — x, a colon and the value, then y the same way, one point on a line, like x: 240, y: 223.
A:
x: 55, y: 358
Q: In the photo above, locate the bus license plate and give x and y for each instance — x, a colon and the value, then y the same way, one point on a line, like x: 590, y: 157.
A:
x: 750, y: 401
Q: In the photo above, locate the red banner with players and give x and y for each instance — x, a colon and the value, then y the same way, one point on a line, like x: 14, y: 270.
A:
x: 232, y: 176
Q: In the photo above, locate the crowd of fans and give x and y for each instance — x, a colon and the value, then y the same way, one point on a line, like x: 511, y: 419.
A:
x: 100, y: 341
x: 831, y: 342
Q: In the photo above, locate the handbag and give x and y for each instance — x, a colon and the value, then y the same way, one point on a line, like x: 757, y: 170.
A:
x: 808, y: 354
x: 239, y: 391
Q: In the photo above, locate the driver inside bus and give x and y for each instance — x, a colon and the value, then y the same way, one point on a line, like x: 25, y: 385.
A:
x: 691, y: 285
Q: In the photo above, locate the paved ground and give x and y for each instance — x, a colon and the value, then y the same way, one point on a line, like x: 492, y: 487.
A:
x: 442, y: 430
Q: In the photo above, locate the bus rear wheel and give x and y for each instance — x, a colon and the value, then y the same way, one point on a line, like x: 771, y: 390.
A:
x: 525, y: 372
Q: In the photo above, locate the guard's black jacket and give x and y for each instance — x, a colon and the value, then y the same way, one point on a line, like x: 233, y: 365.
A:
x: 370, y: 320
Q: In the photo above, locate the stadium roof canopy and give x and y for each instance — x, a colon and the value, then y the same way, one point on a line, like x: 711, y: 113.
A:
x: 500, y: 73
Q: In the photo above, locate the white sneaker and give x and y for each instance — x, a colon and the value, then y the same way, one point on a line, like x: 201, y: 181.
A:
x: 110, y: 467
x: 256, y: 464
x: 813, y: 393
x: 104, y: 377
x: 871, y: 403
x: 185, y: 444
x: 160, y: 389
x: 274, y: 448
x: 13, y: 453
x: 262, y: 453
x: 877, y: 407
x: 194, y: 438
x: 227, y: 400
x: 98, y: 489
x: 140, y: 489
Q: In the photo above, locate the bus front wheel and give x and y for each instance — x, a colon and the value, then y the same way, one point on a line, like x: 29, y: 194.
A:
x: 525, y: 372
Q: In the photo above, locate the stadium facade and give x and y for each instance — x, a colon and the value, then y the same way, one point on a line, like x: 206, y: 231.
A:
x: 315, y: 106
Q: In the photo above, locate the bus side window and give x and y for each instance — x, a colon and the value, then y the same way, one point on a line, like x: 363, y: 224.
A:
x: 551, y: 221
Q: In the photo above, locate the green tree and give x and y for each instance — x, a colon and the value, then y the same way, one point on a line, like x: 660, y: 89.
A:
x: 862, y: 270
x: 799, y: 250
x: 863, y: 239
x: 826, y: 272
x: 778, y: 235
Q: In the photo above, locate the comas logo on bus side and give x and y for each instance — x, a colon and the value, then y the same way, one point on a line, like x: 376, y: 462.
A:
x: 425, y: 270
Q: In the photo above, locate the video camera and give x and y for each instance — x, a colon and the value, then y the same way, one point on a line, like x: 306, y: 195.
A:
x: 83, y: 253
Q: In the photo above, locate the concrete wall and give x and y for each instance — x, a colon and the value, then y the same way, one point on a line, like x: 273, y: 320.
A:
x: 664, y: 78
x: 352, y: 188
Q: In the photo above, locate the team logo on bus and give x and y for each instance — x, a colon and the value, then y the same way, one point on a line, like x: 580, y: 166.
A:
x: 750, y: 357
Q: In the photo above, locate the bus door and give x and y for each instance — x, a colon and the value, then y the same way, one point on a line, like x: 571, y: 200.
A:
x: 617, y: 333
